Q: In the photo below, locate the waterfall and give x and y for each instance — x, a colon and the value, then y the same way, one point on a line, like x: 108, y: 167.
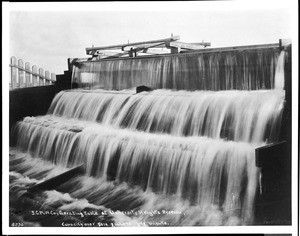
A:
x: 227, y: 70
x: 249, y: 116
x: 203, y: 170
x: 279, y: 75
x: 191, y: 152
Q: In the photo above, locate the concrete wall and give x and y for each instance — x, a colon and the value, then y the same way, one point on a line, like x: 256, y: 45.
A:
x: 34, y: 101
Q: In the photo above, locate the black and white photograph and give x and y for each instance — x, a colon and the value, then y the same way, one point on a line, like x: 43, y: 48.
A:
x: 150, y: 117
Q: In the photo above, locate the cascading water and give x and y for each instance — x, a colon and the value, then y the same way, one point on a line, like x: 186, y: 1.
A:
x: 164, y: 158
x: 227, y: 70
x: 250, y: 116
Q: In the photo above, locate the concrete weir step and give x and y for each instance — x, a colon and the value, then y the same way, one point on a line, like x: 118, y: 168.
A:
x: 57, y: 180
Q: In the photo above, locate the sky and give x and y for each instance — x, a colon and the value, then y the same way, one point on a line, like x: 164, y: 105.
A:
x: 47, y: 36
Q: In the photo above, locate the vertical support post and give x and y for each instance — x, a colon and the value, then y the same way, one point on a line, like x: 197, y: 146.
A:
x: 41, y: 79
x: 21, y: 73
x: 53, y: 77
x: 35, y: 81
x: 47, y: 75
x: 13, y: 73
x: 280, y: 44
x: 27, y: 75
x: 175, y: 50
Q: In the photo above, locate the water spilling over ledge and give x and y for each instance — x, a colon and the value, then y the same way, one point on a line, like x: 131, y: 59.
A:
x: 250, y: 116
x: 228, y: 70
x: 206, y: 172
x: 174, y: 150
x: 202, y: 170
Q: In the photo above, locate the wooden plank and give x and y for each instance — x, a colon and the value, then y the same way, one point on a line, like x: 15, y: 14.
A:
x: 53, y: 77
x: 14, y: 72
x: 154, y: 52
x: 153, y: 45
x: 145, y: 46
x: 130, y: 51
x: 190, y: 46
x: 106, y: 53
x: 57, y: 180
x: 116, y: 55
x: 47, y: 75
x: 21, y: 76
x: 205, y: 44
x: 237, y: 48
x: 41, y: 77
x: 34, y: 76
x: 92, y: 50
x: 27, y: 75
